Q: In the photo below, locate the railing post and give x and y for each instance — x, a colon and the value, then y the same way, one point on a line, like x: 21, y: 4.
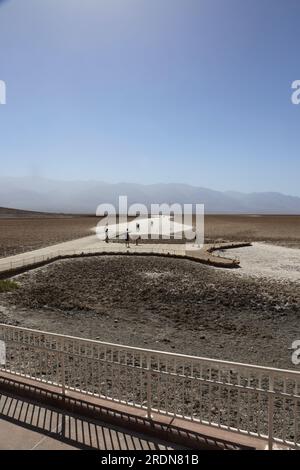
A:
x: 271, y: 412
x: 149, y: 387
x: 63, y: 370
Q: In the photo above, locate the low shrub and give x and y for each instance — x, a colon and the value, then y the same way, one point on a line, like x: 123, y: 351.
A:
x: 7, y: 285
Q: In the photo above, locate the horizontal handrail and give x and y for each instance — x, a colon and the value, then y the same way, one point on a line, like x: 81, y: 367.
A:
x: 120, y: 347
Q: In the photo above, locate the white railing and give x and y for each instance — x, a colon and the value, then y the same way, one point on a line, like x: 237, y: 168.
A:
x: 247, y: 399
x: 113, y: 248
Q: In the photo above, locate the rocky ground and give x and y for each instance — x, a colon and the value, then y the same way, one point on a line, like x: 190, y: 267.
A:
x: 161, y: 303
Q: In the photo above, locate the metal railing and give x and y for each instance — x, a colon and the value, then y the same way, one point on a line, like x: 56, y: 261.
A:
x: 27, y: 260
x: 258, y: 401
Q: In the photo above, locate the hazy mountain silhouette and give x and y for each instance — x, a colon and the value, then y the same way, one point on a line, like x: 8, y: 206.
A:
x: 40, y: 194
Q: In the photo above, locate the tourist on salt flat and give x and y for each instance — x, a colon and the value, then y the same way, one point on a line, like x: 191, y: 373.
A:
x: 127, y: 239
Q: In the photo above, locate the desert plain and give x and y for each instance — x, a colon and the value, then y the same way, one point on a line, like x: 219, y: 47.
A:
x: 164, y: 303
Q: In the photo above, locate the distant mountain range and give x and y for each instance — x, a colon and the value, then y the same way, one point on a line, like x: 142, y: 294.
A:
x: 9, y: 213
x: 78, y: 197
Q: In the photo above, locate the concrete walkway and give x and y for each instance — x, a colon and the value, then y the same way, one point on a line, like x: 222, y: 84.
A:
x: 26, y: 425
x: 86, y: 245
x: 92, y: 245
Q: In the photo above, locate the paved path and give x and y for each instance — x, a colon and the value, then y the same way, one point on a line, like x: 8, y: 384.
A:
x: 26, y: 425
x: 92, y: 244
x: 86, y: 245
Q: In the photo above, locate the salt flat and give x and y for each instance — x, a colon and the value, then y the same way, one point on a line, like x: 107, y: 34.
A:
x: 264, y: 260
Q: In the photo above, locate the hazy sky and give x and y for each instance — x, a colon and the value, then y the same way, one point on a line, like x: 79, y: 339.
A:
x: 191, y: 91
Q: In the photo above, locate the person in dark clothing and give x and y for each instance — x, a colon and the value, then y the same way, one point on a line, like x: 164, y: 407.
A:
x: 127, y: 238
x: 106, y: 235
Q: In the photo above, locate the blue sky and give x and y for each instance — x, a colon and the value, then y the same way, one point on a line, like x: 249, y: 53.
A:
x: 191, y: 91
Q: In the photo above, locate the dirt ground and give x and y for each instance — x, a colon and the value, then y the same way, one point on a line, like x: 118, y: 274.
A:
x: 160, y: 303
x: 26, y: 234
x: 281, y: 230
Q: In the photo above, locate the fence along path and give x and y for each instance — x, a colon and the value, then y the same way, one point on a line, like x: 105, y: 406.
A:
x: 247, y: 399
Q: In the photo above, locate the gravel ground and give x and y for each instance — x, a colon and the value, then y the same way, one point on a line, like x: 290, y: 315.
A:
x: 161, y: 303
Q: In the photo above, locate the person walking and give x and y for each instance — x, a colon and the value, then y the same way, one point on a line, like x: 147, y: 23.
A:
x: 106, y: 235
x: 127, y: 238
